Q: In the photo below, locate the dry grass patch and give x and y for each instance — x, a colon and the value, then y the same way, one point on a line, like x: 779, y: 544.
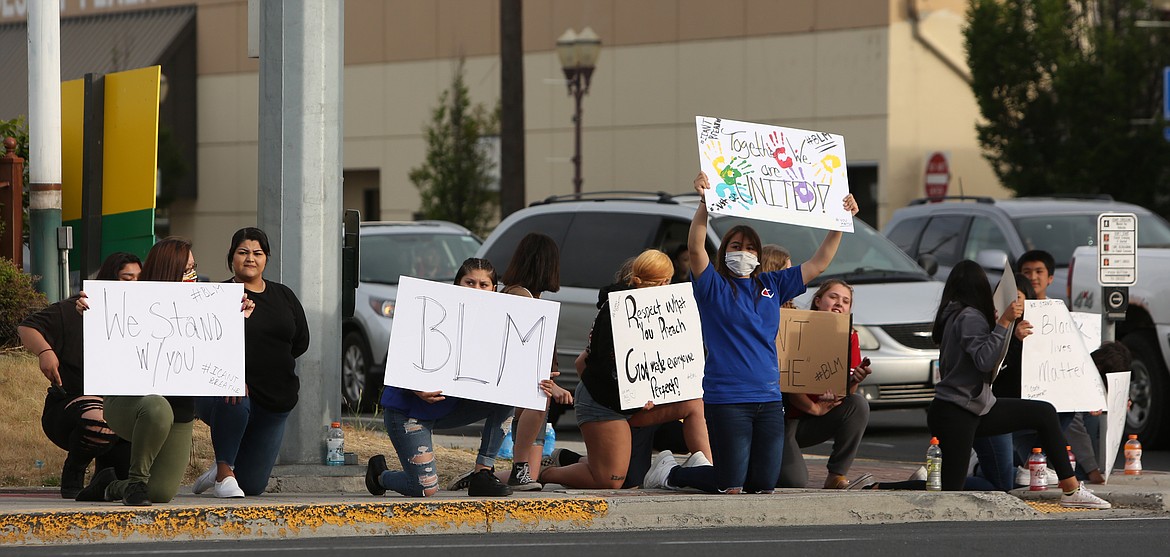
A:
x: 22, y: 387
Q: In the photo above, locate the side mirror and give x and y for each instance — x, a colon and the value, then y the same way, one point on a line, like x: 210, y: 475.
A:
x: 994, y: 259
x: 351, y: 225
x: 929, y: 263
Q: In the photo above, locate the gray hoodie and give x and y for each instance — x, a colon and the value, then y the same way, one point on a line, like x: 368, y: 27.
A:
x: 967, y: 356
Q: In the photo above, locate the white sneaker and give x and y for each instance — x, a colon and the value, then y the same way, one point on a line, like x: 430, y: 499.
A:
x: 204, y: 482
x: 659, y: 471
x: 919, y: 474
x: 1051, y: 475
x: 1023, y: 476
x: 696, y: 459
x: 1082, y: 498
x: 227, y: 488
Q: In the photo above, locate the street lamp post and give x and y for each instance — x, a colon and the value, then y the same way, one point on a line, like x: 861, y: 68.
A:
x: 578, y: 53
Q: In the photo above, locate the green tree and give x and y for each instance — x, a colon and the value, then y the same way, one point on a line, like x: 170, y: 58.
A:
x: 1070, y: 93
x: 455, y: 180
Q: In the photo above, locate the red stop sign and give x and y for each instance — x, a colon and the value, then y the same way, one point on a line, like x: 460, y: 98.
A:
x: 938, y: 175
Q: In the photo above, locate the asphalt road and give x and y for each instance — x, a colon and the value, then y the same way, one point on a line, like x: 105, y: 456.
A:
x: 1055, y: 537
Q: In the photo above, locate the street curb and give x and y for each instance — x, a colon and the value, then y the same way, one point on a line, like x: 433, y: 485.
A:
x: 648, y: 510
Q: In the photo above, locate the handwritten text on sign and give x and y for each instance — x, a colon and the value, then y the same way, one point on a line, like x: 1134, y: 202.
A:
x: 658, y: 345
x: 165, y: 338
x: 813, y: 348
x: 1055, y: 366
x: 774, y: 173
x: 471, y: 343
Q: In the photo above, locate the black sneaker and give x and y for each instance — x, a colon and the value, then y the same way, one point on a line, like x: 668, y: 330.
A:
x: 521, y: 478
x: 462, y: 482
x: 96, y: 490
x: 136, y: 495
x: 72, y: 478
x: 374, y: 469
x: 484, y: 483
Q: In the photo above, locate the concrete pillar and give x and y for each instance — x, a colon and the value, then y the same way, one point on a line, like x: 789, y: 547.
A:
x: 301, y: 60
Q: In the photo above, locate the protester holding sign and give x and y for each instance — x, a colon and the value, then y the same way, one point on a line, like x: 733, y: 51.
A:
x: 604, y: 425
x: 412, y: 416
x: 813, y: 419
x: 158, y: 427
x: 246, y: 432
x: 970, y: 340
x: 71, y: 420
x: 740, y: 310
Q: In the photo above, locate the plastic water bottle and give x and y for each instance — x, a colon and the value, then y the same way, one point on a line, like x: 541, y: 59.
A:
x: 506, y: 446
x: 1133, y: 456
x: 1072, y: 458
x: 335, y: 445
x: 1037, y: 470
x: 550, y: 440
x: 934, y: 466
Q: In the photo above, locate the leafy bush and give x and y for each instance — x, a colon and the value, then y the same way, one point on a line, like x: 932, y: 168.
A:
x: 18, y: 299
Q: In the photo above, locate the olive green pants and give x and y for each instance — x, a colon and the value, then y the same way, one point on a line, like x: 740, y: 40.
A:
x: 159, y: 447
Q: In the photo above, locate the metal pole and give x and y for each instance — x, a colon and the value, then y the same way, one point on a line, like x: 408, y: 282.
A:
x: 299, y: 197
x: 575, y: 85
x: 44, y: 153
x: 511, y: 108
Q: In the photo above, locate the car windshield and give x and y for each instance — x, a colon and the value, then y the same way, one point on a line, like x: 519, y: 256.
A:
x: 1060, y: 235
x: 385, y: 257
x: 864, y: 256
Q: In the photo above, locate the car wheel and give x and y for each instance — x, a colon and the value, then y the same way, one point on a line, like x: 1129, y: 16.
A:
x: 1147, y: 390
x: 355, y: 361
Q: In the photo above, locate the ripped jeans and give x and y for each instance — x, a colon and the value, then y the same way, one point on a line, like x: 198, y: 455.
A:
x: 412, y: 441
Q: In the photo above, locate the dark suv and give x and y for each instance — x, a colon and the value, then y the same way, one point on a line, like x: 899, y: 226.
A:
x: 598, y: 232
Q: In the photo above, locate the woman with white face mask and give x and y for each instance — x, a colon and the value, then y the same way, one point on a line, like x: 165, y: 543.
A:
x: 740, y: 311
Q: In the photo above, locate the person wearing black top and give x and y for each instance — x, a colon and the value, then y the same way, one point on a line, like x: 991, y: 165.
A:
x: 71, y: 420
x: 246, y: 432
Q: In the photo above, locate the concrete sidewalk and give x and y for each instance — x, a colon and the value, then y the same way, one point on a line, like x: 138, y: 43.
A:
x: 39, y: 516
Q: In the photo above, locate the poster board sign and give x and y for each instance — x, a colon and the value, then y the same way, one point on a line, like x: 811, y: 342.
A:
x: 1113, y: 425
x: 1055, y: 366
x: 471, y: 343
x: 658, y: 345
x: 1006, y: 292
x: 1090, y: 326
x: 163, y: 338
x: 813, y: 349
x: 774, y: 173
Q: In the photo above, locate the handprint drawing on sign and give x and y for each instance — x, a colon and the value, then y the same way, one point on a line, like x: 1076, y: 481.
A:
x: 779, y: 151
x: 827, y: 168
x: 804, y: 193
x: 733, y: 171
x: 713, y: 152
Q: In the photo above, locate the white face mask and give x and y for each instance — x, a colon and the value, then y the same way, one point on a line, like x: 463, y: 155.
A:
x: 741, y: 263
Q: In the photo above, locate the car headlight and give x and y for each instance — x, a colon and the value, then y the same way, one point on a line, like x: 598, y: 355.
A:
x: 385, y: 308
x: 866, y: 339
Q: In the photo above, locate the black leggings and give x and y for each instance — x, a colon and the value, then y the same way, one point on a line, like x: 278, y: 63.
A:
x: 957, y: 428
x: 81, y: 437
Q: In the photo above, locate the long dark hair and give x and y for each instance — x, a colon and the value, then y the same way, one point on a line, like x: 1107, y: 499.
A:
x: 750, y: 236
x: 247, y: 233
x: 967, y: 285
x: 167, y: 260
x: 1023, y: 284
x: 114, y: 263
x: 535, y: 265
x: 476, y: 264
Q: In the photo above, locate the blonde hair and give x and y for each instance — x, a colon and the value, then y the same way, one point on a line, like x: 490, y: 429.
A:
x: 650, y: 267
x: 773, y: 258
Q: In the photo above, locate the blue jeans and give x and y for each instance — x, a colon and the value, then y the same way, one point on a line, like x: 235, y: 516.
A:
x: 747, y: 445
x: 413, y: 443
x: 245, y: 436
x: 996, y: 463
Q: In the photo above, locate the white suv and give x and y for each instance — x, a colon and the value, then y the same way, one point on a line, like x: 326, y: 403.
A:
x: 431, y: 250
x: 894, y: 301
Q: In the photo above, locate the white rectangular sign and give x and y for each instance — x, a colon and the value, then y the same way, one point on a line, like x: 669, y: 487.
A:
x: 1055, y: 366
x: 164, y: 338
x: 1117, y: 249
x: 1006, y: 293
x: 658, y: 345
x: 774, y: 173
x: 471, y: 343
x: 1090, y: 326
x: 1113, y: 424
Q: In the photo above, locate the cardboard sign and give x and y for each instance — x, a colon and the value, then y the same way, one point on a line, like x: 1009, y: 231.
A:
x: 163, y: 338
x: 813, y: 349
x: 774, y: 173
x: 658, y: 345
x: 1113, y: 426
x: 1005, y: 294
x: 1055, y: 366
x: 471, y: 343
x: 1090, y: 326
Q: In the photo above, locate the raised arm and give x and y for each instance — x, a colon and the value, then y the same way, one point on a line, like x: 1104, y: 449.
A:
x: 820, y: 260
x: 697, y: 238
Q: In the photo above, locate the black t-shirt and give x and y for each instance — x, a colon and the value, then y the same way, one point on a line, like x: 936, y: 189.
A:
x: 600, y: 375
x: 275, y: 334
x: 1007, y: 383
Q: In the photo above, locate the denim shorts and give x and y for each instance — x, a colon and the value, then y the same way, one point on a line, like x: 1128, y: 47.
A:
x: 589, y: 410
